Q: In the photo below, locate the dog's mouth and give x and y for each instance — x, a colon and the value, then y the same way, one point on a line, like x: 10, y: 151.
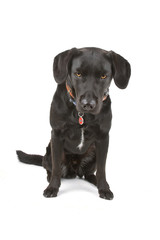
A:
x: 92, y: 107
x: 87, y: 103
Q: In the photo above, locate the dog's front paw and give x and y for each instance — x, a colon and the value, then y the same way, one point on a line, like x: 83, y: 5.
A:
x: 50, y: 192
x: 106, y: 194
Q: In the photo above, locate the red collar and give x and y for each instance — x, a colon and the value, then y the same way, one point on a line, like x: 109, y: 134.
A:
x: 69, y: 90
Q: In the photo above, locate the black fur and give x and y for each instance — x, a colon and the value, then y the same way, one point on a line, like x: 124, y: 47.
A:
x: 88, y: 72
x: 29, y: 159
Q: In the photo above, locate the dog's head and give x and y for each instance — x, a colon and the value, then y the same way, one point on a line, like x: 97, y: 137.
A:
x: 88, y: 73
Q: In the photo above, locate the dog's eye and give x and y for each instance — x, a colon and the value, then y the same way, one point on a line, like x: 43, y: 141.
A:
x: 103, y: 76
x: 78, y: 74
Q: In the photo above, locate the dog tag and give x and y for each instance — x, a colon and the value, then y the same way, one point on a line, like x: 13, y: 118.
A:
x: 81, y: 119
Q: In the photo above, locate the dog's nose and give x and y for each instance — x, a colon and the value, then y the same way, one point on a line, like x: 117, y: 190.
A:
x: 88, y: 105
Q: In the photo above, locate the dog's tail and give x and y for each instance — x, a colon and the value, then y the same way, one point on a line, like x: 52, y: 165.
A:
x: 29, y: 158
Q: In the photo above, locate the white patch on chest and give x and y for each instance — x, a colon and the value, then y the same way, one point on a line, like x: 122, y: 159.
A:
x: 82, y: 140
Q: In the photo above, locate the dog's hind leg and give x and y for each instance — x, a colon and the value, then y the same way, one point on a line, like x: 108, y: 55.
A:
x: 91, y: 178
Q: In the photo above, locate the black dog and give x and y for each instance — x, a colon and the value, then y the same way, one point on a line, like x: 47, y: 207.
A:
x: 80, y: 117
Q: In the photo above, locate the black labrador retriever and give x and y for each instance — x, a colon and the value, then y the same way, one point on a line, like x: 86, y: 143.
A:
x: 80, y: 117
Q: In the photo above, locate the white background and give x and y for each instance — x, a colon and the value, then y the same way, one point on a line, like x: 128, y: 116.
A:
x: 31, y: 34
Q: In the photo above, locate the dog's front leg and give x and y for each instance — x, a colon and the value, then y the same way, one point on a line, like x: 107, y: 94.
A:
x: 101, y: 155
x: 56, y: 156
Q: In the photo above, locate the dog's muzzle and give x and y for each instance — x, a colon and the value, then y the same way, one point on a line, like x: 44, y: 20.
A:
x: 88, y: 102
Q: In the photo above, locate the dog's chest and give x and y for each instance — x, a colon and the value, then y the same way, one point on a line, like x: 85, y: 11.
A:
x: 82, y: 140
x: 78, y: 139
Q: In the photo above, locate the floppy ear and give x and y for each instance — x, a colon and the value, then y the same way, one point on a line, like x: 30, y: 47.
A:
x: 121, y: 70
x: 61, y: 65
